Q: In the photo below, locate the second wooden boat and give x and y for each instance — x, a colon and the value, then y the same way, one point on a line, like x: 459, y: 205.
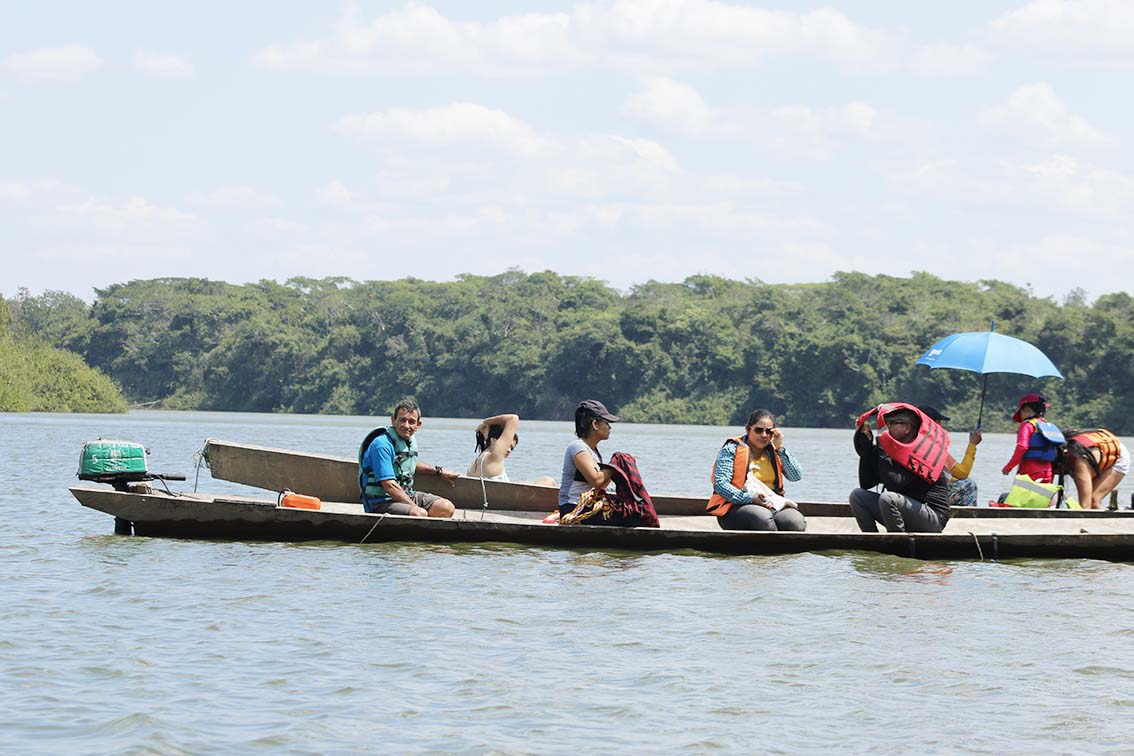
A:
x: 333, y: 478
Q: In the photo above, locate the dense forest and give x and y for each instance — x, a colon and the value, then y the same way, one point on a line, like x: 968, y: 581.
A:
x: 706, y: 350
x: 36, y: 377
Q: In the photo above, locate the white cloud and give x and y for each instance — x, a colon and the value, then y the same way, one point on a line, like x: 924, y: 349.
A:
x: 163, y: 65
x: 240, y: 196
x: 1076, y: 258
x: 610, y: 166
x: 336, y: 193
x: 859, y: 117
x: 1096, y: 29
x: 1037, y: 109
x: 1059, y: 183
x: 418, y: 39
x: 637, y: 34
x: 461, y: 123
x: 1079, y: 189
x: 671, y: 104
x: 942, y: 59
x: 283, y: 226
x: 135, y: 212
x: 13, y: 192
x: 803, y: 132
x: 65, y: 63
x: 706, y: 33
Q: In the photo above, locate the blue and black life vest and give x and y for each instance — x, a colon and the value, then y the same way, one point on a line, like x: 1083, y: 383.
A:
x: 1045, y: 441
x: 405, y: 464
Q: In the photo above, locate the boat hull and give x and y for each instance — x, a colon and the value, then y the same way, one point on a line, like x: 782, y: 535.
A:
x: 243, y: 518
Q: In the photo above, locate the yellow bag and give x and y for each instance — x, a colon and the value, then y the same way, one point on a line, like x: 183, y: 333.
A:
x: 1031, y: 494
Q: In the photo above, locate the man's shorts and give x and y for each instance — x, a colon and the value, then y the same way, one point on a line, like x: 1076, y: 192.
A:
x: 420, y: 498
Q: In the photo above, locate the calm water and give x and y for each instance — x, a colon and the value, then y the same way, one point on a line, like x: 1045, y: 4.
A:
x: 114, y: 645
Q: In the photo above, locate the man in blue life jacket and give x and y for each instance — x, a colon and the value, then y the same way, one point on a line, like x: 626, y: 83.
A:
x: 387, y: 463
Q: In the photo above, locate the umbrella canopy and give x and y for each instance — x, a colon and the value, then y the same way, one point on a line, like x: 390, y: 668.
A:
x: 987, y: 352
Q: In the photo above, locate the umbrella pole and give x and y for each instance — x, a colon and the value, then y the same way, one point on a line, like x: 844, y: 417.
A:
x: 980, y: 415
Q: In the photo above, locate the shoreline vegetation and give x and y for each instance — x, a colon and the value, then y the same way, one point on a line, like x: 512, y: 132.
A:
x: 705, y: 351
x: 37, y: 377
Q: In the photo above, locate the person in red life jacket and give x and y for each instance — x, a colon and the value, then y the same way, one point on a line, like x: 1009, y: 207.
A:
x: 1036, y: 447
x: 908, y: 461
x: 962, y: 488
x: 1097, y: 461
x: 745, y: 467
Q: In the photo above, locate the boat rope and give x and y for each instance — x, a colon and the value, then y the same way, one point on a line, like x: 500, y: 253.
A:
x: 198, y: 459
x: 976, y: 540
x: 376, y: 524
x: 483, y: 492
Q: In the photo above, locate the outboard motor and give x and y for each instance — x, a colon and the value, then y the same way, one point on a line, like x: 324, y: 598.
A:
x: 118, y: 463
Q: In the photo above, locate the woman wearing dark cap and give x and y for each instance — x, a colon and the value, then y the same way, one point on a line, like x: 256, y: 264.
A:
x: 581, y: 471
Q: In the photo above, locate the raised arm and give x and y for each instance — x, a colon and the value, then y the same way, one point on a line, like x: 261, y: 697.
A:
x: 961, y: 470
x: 511, y: 423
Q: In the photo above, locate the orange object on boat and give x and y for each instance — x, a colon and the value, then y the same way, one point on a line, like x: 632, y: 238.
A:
x: 299, y: 501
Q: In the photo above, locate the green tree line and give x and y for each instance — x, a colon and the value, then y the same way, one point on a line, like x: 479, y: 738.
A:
x: 706, y: 350
x: 37, y: 377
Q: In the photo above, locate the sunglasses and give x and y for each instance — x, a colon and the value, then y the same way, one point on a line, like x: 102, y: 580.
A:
x: 764, y: 431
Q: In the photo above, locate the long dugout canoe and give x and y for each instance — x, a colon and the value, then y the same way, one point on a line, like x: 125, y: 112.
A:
x: 245, y: 518
x: 332, y: 478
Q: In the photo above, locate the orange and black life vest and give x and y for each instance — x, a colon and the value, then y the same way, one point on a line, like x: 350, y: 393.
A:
x: 926, y: 455
x: 719, y: 505
x: 1110, y: 448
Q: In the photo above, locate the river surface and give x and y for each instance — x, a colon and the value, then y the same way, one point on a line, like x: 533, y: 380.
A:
x: 124, y: 645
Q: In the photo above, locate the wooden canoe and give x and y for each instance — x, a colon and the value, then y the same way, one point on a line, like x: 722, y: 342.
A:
x: 249, y: 518
x: 336, y: 479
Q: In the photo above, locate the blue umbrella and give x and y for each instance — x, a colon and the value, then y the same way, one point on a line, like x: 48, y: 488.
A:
x: 987, y: 352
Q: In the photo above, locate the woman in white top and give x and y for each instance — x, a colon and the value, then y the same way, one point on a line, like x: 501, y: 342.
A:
x: 495, y: 439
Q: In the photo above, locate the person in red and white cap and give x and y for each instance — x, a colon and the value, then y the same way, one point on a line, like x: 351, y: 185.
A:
x: 1034, y: 451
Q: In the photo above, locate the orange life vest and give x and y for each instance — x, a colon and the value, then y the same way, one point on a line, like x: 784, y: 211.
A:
x: 926, y: 455
x: 719, y: 505
x: 1106, y: 442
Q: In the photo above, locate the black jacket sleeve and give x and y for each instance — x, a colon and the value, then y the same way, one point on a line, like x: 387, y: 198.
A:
x: 867, y: 460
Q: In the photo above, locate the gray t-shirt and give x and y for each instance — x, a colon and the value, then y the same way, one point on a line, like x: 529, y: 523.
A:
x: 569, y: 486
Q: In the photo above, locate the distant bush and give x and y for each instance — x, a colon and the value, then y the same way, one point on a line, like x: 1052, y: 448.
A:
x: 35, y: 377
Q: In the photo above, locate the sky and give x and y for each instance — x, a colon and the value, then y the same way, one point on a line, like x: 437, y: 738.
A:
x: 627, y: 140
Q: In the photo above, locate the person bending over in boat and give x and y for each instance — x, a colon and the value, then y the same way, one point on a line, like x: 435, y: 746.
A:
x: 1097, y: 461
x: 908, y: 460
x: 748, y: 479
x: 581, y: 471
x: 1037, y: 440
x: 496, y: 438
x: 387, y: 464
x: 962, y: 488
